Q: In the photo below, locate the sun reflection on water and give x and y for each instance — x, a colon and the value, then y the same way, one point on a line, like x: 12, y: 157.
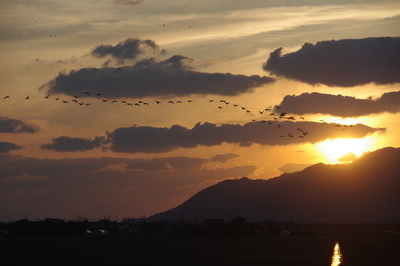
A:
x: 337, y: 256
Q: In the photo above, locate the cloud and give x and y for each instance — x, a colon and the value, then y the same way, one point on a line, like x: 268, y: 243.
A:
x: 169, y: 163
x: 63, y: 144
x: 19, y: 172
x: 129, y: 49
x: 94, y: 186
x: 345, y: 63
x: 149, y: 77
x: 6, y: 147
x: 338, y: 105
x: 8, y: 125
x: 223, y: 158
x: 348, y: 157
x: 293, y: 167
x: 128, y: 2
x: 160, y: 140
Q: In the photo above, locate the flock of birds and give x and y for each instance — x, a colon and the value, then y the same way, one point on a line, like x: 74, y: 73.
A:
x: 273, y: 112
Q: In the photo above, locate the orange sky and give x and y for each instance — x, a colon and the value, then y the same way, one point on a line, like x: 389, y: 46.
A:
x: 335, y: 77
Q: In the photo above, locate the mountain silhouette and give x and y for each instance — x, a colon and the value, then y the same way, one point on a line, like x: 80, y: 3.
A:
x: 365, y: 191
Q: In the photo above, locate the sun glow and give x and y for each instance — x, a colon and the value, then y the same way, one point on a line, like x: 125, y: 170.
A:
x: 335, y: 150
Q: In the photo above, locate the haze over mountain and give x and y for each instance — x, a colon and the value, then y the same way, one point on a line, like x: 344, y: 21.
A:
x: 365, y: 191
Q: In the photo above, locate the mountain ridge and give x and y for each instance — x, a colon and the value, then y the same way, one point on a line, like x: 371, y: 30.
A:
x: 364, y: 191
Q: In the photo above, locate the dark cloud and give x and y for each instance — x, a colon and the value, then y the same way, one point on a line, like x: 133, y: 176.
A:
x: 63, y: 144
x: 149, y: 77
x: 345, y: 63
x: 160, y: 140
x: 129, y: 49
x: 338, y: 105
x: 8, y: 125
x: 6, y: 147
x: 128, y: 2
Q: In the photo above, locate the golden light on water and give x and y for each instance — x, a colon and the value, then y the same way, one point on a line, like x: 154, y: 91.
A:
x: 334, y: 149
x: 337, y: 256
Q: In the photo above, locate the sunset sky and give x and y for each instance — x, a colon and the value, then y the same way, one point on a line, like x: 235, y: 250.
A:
x: 127, y: 108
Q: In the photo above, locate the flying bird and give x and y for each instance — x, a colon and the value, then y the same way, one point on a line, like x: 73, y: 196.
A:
x: 6, y: 97
x: 88, y: 93
x: 27, y: 97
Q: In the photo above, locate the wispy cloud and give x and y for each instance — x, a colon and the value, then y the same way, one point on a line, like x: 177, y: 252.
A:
x: 128, y: 2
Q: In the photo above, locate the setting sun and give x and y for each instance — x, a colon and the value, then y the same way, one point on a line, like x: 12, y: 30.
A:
x: 334, y: 149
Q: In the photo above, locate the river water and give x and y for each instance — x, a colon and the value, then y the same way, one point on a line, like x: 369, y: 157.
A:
x: 337, y: 256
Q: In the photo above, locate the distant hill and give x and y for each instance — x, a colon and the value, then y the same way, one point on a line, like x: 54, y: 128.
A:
x: 365, y: 191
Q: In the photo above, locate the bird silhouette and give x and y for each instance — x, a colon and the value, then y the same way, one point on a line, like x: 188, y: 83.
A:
x: 6, y: 97
x: 27, y: 97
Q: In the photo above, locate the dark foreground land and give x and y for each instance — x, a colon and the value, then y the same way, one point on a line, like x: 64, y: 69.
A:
x: 360, y: 245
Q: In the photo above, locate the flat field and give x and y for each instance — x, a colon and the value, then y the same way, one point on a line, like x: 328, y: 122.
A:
x: 360, y: 245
